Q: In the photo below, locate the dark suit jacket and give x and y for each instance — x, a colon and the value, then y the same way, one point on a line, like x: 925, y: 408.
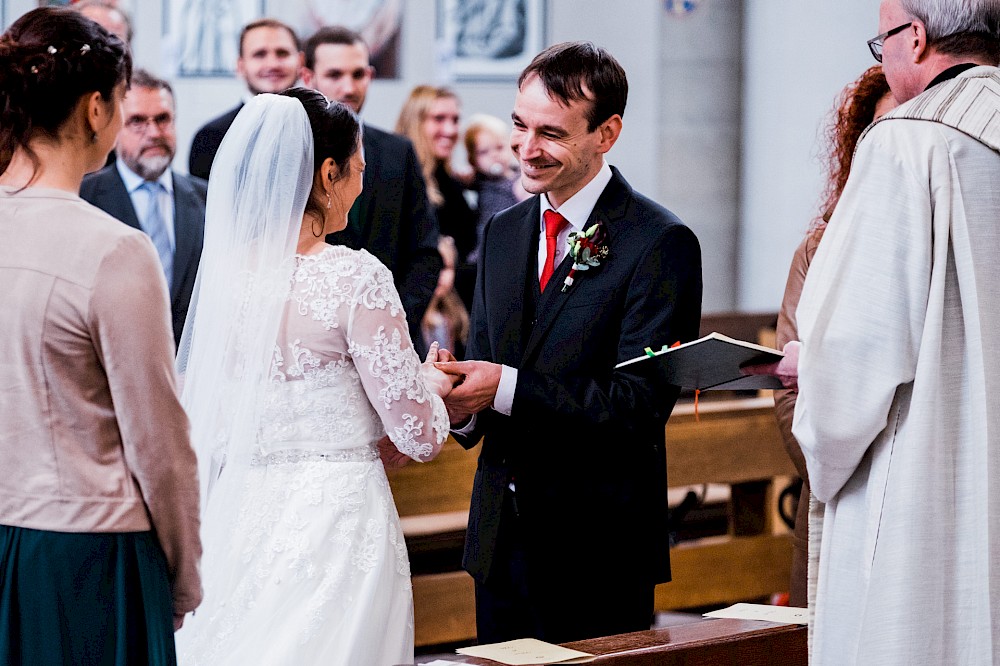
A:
x: 584, y: 441
x: 106, y: 190
x: 206, y: 143
x: 396, y: 224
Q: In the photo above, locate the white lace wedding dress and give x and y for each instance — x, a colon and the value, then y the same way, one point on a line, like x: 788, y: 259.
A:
x: 315, y: 564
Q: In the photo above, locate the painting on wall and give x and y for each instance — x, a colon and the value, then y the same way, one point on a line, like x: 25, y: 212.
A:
x: 378, y: 21
x: 202, y: 36
x: 483, y: 40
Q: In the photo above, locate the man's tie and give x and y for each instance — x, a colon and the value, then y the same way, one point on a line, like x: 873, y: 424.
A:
x: 554, y: 223
x: 155, y: 228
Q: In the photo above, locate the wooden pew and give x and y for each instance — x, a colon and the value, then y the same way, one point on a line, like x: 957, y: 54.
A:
x: 702, y: 643
x: 732, y: 442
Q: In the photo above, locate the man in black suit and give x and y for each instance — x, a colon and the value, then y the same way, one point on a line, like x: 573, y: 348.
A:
x: 269, y: 62
x: 568, y: 530
x: 142, y: 191
x: 392, y: 218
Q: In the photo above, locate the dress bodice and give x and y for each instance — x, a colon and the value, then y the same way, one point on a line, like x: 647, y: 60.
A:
x: 344, y: 370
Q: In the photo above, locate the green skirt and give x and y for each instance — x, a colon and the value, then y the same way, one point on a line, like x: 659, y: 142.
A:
x: 84, y: 599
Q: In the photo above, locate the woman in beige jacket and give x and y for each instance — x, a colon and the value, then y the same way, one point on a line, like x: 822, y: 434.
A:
x: 99, y: 539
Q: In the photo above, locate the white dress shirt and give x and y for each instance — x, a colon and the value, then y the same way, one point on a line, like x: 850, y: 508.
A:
x: 576, y: 210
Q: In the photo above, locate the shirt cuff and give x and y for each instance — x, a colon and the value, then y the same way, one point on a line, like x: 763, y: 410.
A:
x: 467, y: 428
x: 503, y: 401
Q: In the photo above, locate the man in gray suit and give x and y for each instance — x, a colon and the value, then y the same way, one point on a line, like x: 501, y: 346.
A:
x: 142, y: 191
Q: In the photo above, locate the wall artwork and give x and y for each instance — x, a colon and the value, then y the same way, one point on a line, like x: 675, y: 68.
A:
x: 489, y: 40
x: 202, y: 36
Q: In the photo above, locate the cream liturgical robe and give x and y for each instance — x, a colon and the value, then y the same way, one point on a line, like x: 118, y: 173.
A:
x: 899, y: 406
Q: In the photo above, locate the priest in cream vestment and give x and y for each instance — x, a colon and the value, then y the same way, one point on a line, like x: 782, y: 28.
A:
x: 898, y: 411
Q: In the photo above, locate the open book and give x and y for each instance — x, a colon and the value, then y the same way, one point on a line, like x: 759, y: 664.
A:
x: 713, y: 362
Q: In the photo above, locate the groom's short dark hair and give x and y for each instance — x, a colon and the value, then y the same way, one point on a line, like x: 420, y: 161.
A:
x: 573, y: 71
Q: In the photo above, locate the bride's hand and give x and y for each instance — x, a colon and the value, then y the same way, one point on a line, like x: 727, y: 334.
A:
x: 437, y: 381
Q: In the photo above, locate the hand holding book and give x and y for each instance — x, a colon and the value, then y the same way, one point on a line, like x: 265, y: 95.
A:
x: 786, y: 369
x: 712, y: 362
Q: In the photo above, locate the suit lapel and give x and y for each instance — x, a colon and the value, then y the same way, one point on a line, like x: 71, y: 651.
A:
x: 511, y: 290
x: 610, y: 209
x: 115, y: 196
x: 186, y: 216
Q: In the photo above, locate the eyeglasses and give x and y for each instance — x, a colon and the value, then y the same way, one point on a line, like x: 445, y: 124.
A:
x: 875, y: 43
x: 139, y: 124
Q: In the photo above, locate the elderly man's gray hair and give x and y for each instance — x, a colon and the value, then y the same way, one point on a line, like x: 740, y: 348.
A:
x: 959, y: 27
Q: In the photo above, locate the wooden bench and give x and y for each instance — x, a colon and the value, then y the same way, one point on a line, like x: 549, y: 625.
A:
x: 730, y: 442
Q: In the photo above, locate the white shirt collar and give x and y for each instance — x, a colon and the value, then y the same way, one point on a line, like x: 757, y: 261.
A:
x: 577, y: 208
x: 134, y: 181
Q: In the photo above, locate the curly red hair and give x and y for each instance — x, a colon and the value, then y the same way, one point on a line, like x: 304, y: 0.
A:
x: 855, y: 110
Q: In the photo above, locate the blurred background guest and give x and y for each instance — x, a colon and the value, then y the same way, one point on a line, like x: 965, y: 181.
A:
x: 143, y: 191
x: 430, y: 119
x: 99, y: 541
x: 447, y: 319
x: 270, y: 61
x: 109, y: 16
x: 864, y: 100
x: 495, y: 177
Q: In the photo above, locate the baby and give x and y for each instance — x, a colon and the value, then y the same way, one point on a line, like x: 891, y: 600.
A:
x: 495, y: 176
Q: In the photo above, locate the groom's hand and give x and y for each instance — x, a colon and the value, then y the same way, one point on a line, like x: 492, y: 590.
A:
x: 475, y: 391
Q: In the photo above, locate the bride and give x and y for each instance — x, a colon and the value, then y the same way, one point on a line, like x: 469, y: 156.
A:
x: 296, y: 361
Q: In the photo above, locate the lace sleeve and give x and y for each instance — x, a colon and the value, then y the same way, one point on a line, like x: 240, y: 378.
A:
x: 379, y: 342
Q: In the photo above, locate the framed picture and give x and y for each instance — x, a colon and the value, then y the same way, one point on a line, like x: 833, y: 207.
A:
x: 484, y: 40
x: 202, y: 36
x: 379, y: 22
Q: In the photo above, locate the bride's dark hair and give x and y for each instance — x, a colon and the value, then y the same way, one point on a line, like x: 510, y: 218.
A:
x: 335, y: 131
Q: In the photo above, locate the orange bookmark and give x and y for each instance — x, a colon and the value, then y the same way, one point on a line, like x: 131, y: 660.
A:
x: 696, y: 391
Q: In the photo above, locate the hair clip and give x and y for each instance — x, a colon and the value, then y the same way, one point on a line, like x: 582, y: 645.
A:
x: 85, y: 49
x: 52, y: 50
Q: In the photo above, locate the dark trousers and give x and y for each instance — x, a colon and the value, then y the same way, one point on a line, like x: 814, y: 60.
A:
x: 519, y: 602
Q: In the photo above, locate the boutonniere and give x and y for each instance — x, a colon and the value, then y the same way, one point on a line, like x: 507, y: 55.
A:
x: 587, y: 249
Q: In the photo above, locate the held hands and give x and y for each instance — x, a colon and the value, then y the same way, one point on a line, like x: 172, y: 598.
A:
x: 787, y: 369
x: 475, y: 387
x: 437, y: 381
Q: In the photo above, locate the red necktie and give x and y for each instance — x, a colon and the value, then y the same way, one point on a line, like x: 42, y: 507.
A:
x: 554, y: 222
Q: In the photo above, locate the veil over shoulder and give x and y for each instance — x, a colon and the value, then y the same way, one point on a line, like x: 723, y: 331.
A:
x: 294, y: 366
x: 261, y: 180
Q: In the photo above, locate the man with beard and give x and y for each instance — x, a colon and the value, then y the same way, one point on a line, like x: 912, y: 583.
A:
x: 270, y: 61
x: 140, y: 189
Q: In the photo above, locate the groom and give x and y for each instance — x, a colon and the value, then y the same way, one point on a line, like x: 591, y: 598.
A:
x: 568, y: 529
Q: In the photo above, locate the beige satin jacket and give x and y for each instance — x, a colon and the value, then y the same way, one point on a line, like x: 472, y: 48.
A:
x: 92, y: 435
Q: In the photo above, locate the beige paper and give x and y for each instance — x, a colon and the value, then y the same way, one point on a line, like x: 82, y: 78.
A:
x: 782, y: 614
x: 526, y: 651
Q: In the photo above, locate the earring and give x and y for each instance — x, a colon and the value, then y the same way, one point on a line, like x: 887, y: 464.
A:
x: 312, y: 228
x: 329, y: 201
x: 93, y: 137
